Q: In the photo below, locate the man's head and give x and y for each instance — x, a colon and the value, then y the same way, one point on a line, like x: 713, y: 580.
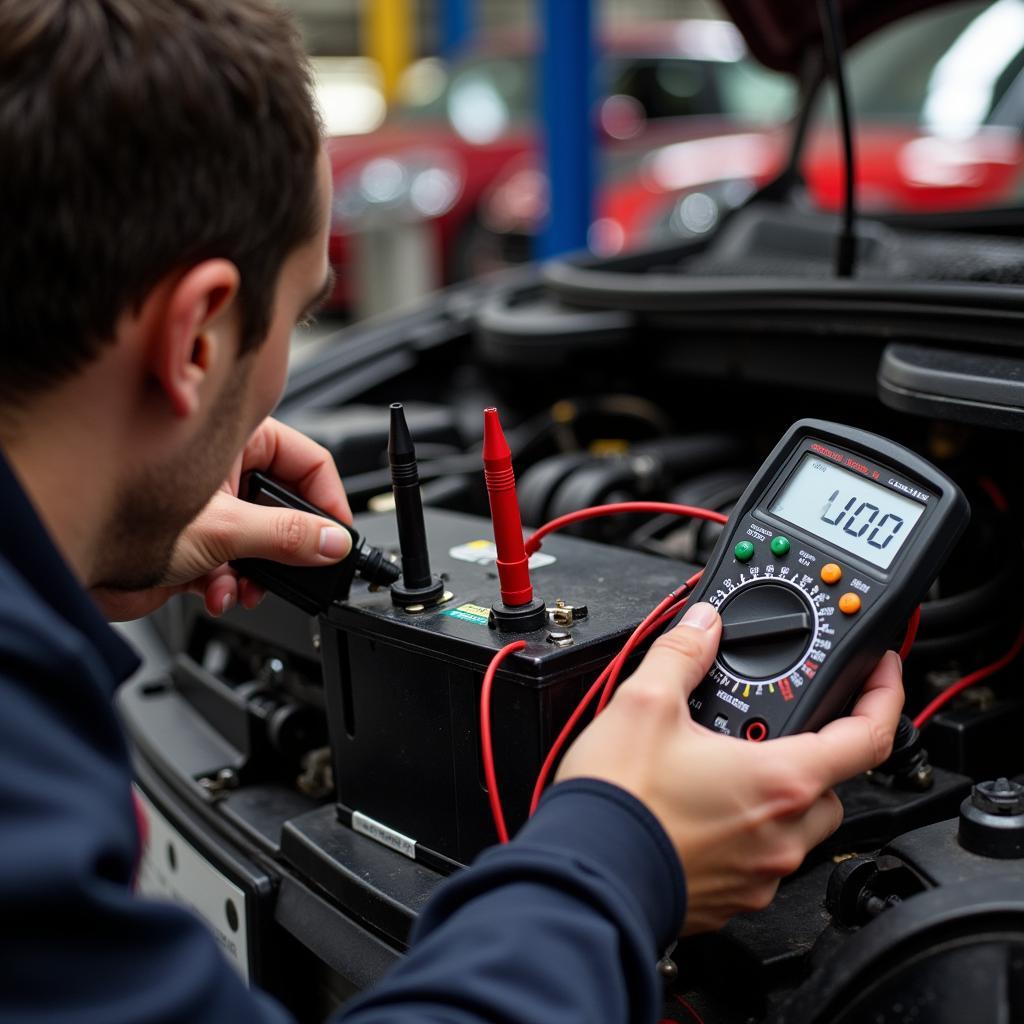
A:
x: 163, y: 212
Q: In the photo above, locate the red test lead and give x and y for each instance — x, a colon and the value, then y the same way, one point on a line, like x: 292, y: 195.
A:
x: 518, y: 611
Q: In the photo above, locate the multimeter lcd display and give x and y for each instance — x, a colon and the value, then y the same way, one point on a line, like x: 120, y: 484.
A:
x: 846, y: 510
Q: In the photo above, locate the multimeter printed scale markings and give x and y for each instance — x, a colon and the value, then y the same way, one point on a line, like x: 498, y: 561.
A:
x: 776, y: 630
x: 779, y: 626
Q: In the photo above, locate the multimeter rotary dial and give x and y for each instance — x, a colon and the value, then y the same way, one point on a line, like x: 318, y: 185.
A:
x: 775, y: 629
x: 766, y: 631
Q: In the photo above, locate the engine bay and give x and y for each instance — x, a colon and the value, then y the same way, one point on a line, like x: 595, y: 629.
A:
x: 301, y: 744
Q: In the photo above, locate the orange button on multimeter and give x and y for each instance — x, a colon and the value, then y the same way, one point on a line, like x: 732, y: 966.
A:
x: 831, y: 573
x: 849, y: 604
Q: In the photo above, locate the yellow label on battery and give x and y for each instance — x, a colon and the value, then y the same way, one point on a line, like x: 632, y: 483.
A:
x: 474, y: 613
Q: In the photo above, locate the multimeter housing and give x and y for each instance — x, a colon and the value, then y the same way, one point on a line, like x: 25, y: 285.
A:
x: 796, y: 649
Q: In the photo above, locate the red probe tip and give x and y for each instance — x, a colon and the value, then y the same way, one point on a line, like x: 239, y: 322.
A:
x: 495, y: 445
x: 512, y: 562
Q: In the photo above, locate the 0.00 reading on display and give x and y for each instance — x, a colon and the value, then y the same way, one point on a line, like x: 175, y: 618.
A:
x: 846, y: 510
x: 865, y: 514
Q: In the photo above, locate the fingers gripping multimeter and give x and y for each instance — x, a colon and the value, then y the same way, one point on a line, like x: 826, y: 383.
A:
x: 830, y: 549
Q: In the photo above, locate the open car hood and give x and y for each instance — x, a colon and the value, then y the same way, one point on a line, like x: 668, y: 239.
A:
x: 781, y: 32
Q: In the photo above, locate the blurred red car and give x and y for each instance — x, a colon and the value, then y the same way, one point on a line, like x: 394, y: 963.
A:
x: 460, y: 129
x: 938, y: 100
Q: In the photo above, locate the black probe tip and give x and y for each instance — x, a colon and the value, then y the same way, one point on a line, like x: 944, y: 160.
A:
x: 419, y: 587
x: 400, y: 446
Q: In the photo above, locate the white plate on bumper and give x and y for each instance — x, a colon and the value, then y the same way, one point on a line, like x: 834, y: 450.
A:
x: 172, y: 868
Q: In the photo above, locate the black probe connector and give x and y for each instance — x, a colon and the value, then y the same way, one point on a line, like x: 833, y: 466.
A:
x: 312, y: 588
x: 419, y: 587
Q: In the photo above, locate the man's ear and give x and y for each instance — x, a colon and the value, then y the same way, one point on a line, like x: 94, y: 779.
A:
x: 193, y: 331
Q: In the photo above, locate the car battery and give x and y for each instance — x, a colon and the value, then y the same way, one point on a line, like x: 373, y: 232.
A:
x: 403, y: 686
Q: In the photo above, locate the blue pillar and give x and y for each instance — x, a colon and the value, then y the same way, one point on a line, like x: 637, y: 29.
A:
x: 569, y: 133
x: 456, y: 27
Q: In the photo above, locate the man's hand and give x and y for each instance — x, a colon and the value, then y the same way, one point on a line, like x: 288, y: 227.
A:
x: 229, y: 527
x: 741, y: 815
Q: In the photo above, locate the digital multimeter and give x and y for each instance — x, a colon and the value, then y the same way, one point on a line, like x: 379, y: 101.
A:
x: 828, y: 552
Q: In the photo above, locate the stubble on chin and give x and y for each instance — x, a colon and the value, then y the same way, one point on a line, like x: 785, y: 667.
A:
x: 159, y: 502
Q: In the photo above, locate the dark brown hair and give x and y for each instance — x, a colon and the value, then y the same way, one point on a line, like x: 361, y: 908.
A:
x: 138, y: 137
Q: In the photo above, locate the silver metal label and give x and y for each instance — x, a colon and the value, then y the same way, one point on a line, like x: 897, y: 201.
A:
x: 367, y: 826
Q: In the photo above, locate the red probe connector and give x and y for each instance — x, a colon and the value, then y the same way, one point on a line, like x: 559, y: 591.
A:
x: 518, y: 610
x: 513, y: 564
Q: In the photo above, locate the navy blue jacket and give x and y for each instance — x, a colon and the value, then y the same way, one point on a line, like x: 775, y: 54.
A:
x: 561, y: 926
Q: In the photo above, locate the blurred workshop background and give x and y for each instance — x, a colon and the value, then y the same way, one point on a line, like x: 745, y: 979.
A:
x: 461, y: 140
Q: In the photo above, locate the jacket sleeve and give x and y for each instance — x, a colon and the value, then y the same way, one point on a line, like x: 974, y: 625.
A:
x: 564, y: 925
x: 76, y: 945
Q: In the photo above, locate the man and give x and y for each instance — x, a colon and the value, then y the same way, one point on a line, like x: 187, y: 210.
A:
x: 164, y: 208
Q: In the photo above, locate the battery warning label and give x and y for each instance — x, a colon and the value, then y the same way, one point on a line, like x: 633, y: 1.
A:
x: 474, y: 613
x: 483, y: 552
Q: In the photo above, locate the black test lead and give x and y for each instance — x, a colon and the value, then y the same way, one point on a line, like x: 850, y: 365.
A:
x: 312, y: 588
x: 418, y: 586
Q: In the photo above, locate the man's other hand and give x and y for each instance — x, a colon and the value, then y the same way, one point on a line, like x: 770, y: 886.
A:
x: 740, y: 815
x: 229, y: 527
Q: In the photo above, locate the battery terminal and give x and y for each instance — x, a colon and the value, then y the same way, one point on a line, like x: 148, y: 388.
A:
x: 415, y: 609
x: 563, y: 614
x: 560, y: 638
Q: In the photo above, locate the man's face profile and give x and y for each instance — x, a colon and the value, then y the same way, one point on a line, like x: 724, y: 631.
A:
x: 157, y: 501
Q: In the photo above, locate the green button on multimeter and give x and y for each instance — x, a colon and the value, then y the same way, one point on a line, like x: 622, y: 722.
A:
x: 744, y: 551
